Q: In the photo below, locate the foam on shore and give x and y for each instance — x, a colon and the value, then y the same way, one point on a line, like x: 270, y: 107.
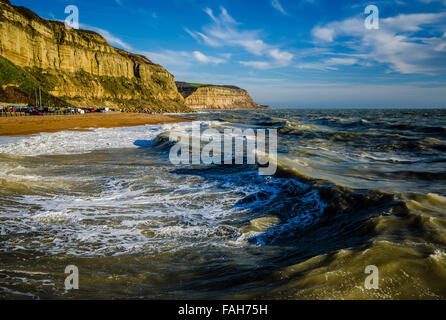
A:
x: 75, y: 142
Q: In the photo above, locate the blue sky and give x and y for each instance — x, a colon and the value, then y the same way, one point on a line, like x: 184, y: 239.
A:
x: 286, y: 53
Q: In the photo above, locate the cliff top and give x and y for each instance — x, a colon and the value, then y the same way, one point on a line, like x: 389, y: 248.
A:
x: 186, y: 85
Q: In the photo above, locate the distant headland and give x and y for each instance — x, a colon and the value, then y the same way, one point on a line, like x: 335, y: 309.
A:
x: 216, y: 97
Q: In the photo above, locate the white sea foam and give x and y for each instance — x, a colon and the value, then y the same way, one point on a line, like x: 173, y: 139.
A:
x: 136, y: 209
x: 136, y: 220
x: 8, y: 140
x: 386, y: 158
x: 185, y: 211
x: 438, y: 255
x: 74, y: 142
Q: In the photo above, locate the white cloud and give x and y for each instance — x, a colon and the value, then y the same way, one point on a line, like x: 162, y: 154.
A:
x: 342, y: 61
x: 323, y: 33
x: 329, y: 64
x: 430, y: 1
x: 183, y: 59
x: 261, y: 65
x: 315, y: 66
x: 329, y: 32
x: 111, y: 39
x: 226, y: 32
x: 395, y: 44
x: 279, y: 59
x: 411, y: 22
x: 278, y: 6
x: 206, y: 59
x: 282, y: 58
x: 170, y: 58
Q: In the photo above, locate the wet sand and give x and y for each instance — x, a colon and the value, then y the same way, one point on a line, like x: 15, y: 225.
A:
x: 18, y: 126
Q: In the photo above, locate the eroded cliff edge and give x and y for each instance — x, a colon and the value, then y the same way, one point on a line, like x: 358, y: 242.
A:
x: 77, y: 67
x: 212, y: 97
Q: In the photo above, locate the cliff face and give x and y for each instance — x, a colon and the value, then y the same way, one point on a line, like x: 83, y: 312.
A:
x: 80, y: 67
x: 210, y: 97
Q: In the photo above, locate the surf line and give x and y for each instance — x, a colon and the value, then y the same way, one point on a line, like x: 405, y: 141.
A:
x: 227, y: 148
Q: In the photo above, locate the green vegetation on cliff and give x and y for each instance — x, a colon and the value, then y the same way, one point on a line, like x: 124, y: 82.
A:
x: 14, y: 75
x: 197, y: 85
x: 19, y: 86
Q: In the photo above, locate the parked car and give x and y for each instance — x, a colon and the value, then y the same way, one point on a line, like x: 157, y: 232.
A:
x: 35, y: 112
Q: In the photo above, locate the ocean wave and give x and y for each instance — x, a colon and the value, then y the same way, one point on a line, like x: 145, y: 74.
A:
x: 74, y: 142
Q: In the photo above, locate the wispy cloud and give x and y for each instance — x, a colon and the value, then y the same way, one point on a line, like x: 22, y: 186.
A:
x: 111, y: 39
x: 433, y: 1
x: 225, y: 31
x: 183, y: 59
x: 282, y: 58
x: 396, y: 44
x: 107, y: 35
x: 169, y: 58
x: 261, y: 65
x: 329, y: 64
x: 278, y: 6
x: 207, y: 59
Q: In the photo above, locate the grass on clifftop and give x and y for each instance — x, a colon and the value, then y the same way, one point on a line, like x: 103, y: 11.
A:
x: 201, y: 85
x: 198, y: 85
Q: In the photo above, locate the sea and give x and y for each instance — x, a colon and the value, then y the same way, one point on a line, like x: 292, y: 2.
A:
x: 356, y: 210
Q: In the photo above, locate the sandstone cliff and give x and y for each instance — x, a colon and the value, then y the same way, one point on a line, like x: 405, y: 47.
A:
x: 211, y: 97
x: 77, y: 67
